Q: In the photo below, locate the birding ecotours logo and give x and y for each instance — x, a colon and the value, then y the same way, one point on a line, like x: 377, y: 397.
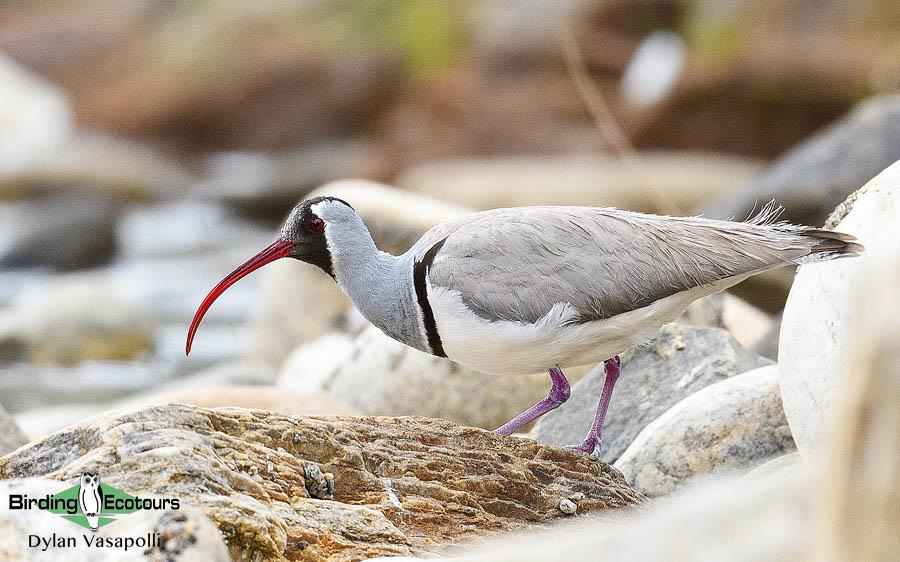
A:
x: 90, y: 503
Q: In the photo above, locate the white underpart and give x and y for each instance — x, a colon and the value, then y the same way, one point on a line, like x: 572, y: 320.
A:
x: 507, y: 347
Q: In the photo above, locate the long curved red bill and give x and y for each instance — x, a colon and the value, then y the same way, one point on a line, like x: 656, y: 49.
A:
x: 275, y: 250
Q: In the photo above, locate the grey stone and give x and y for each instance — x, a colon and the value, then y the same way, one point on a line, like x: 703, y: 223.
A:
x: 681, y: 360
x: 813, y: 178
x: 184, y: 228
x: 767, y: 345
x: 11, y: 436
x: 815, y: 341
x: 735, y: 424
x: 62, y: 232
x: 271, y: 183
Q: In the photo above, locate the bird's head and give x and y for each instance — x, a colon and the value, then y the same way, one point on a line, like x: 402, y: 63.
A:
x: 304, y: 236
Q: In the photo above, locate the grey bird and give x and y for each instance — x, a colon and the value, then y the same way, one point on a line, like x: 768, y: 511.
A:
x: 528, y: 289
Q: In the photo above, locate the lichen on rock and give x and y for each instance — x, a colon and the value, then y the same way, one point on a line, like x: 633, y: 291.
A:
x: 249, y: 472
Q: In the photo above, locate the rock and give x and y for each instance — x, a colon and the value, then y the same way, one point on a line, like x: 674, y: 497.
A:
x: 184, y: 228
x: 62, y: 232
x: 567, y: 506
x: 113, y: 167
x: 784, y: 462
x: 815, y: 339
x: 744, y: 321
x: 767, y: 345
x: 814, y: 177
x: 756, y: 521
x: 77, y: 318
x: 317, y: 305
x: 731, y: 425
x: 235, y: 383
x: 402, y: 486
x: 96, y: 383
x: 11, y: 437
x: 680, y: 361
x: 239, y: 372
x: 400, y: 381
x: 270, y: 183
x: 34, y: 118
x: 39, y: 421
x: 186, y: 534
x: 257, y: 397
x: 860, y: 490
x: 683, y: 179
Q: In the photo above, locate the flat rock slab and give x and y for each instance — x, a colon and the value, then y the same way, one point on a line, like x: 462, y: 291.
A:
x: 680, y: 361
x: 401, y: 486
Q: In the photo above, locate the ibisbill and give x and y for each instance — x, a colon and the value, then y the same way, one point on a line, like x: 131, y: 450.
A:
x: 527, y: 289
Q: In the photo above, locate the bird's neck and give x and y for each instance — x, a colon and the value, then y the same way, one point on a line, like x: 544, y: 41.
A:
x: 380, y: 285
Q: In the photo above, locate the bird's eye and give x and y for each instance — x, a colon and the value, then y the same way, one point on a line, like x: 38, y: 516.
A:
x: 316, y: 224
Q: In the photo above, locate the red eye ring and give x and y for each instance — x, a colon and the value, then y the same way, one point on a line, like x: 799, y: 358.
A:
x: 316, y: 224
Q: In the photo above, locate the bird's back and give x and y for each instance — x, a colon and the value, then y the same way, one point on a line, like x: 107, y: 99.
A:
x: 515, y: 264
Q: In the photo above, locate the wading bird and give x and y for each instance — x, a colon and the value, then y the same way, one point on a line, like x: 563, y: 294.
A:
x: 522, y: 290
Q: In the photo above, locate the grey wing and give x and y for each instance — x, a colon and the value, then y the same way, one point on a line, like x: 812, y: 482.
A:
x: 516, y: 264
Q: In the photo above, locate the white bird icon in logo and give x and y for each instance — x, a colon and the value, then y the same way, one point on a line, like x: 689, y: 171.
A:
x: 91, y: 499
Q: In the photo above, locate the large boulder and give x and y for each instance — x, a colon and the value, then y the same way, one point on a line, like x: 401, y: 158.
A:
x: 678, y: 362
x: 815, y: 339
x: 185, y: 535
x: 317, y: 488
x: 860, y: 493
x: 11, y: 437
x: 299, y: 302
x: 732, y: 425
x: 814, y: 177
x: 381, y: 376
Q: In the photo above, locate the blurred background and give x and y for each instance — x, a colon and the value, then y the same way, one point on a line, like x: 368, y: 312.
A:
x: 147, y: 147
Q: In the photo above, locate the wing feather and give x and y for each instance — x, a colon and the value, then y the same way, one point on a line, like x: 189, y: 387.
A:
x: 516, y: 264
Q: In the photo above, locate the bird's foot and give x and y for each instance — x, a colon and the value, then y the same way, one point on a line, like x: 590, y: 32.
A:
x: 590, y: 446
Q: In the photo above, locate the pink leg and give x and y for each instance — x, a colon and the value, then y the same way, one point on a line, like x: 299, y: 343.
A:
x: 592, y: 442
x: 558, y: 394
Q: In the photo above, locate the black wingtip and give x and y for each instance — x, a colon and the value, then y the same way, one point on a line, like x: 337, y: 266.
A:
x: 831, y: 245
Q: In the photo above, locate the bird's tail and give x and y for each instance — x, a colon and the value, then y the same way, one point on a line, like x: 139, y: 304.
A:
x: 821, y: 245
x: 828, y: 245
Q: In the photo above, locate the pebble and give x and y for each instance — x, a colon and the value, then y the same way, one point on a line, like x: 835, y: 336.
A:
x: 568, y: 507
